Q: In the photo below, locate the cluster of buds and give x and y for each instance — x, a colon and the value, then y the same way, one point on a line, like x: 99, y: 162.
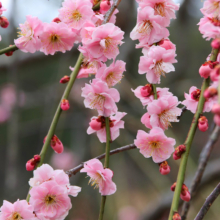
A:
x: 206, y: 68
x: 179, y: 151
x: 216, y: 111
x: 203, y: 124
x: 185, y: 194
x: 32, y: 163
x: 56, y: 144
x: 164, y: 168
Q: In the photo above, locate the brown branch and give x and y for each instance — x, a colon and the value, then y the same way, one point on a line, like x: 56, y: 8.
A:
x: 204, y: 157
x: 76, y: 169
x: 209, y: 200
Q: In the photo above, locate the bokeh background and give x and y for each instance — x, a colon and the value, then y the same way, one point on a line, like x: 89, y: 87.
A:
x: 30, y: 92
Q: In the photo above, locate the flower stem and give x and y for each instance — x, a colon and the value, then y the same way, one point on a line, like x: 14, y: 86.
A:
x: 107, y: 153
x: 155, y: 91
x: 188, y: 143
x: 8, y: 49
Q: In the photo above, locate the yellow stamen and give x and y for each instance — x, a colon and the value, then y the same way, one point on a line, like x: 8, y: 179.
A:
x: 159, y: 9
x: 76, y: 15
x: 145, y: 27
x: 98, y: 102
x: 158, y: 68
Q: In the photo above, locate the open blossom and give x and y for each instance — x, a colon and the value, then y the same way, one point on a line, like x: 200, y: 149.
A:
x: 50, y: 200
x: 211, y: 8
x: 157, y: 62
x: 150, y: 28
x: 147, y: 98
x: 155, y: 144
x: 112, y: 74
x: 100, y: 177
x: 104, y: 42
x: 75, y: 13
x: 56, y: 37
x: 164, y: 8
x: 192, y: 99
x: 99, y: 96
x: 16, y: 211
x: 162, y: 112
x: 97, y: 124
x: 28, y: 40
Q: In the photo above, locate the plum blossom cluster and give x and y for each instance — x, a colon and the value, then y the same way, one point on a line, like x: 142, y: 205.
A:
x: 158, y: 57
x: 49, y: 197
x: 3, y: 20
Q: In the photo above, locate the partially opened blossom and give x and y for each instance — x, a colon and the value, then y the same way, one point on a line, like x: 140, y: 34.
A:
x: 100, y: 177
x: 28, y: 40
x: 162, y: 112
x: 155, y: 144
x: 157, y: 62
x: 211, y: 8
x: 115, y: 124
x: 56, y: 37
x: 50, y: 200
x: 16, y: 211
x: 112, y: 74
x: 150, y: 28
x: 99, y: 96
x: 75, y: 13
x: 192, y: 99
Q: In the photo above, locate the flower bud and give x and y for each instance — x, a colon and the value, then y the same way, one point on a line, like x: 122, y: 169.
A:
x: 37, y: 158
x: 57, y: 20
x: 195, y: 94
x: 30, y: 165
x: 215, y: 43
x: 205, y: 70
x: 217, y: 119
x: 214, y: 74
x: 56, y: 144
x: 105, y: 5
x: 65, y: 79
x: 4, y: 22
x: 216, y: 109
x: 203, y: 124
x: 210, y: 92
x: 10, y: 53
x: 166, y: 44
x: 176, y: 216
x: 64, y: 105
x: 179, y: 151
x: 95, y: 124
x: 185, y: 196
x: 173, y: 187
x: 146, y: 90
x: 164, y: 168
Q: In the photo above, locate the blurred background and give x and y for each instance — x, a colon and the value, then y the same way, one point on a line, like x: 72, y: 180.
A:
x: 30, y: 92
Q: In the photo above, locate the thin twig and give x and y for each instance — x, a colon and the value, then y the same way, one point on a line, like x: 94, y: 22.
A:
x: 208, y: 202
x: 111, y: 11
x: 76, y: 169
x: 204, y: 157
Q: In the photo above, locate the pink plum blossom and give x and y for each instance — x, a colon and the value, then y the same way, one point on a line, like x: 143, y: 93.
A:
x: 155, y: 144
x: 51, y: 200
x: 56, y: 37
x: 104, y: 42
x: 28, y: 40
x: 99, y: 96
x: 211, y: 8
x: 164, y: 8
x: 157, y: 62
x: 112, y: 74
x: 75, y: 13
x: 115, y: 124
x: 192, y: 99
x: 1, y: 10
x: 18, y: 210
x: 146, y: 99
x: 149, y: 28
x: 100, y: 177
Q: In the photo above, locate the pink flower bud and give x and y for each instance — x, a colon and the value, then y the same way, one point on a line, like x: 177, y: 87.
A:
x: 56, y: 144
x: 30, y: 165
x: 205, y: 70
x: 179, y: 151
x: 216, y: 43
x: 10, y: 53
x: 173, y: 187
x: 4, y: 22
x: 57, y: 20
x: 95, y: 124
x: 195, y: 94
x: 65, y: 105
x: 65, y: 79
x: 0, y: 5
x: 105, y: 5
x: 146, y: 90
x: 210, y: 92
x: 185, y: 196
x: 216, y: 109
x: 203, y: 124
x: 214, y: 74
x: 176, y: 216
x: 164, y: 168
x: 37, y: 158
x: 217, y: 119
x: 166, y: 44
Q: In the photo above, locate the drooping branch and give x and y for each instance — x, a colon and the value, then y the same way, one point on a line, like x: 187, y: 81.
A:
x: 209, y: 201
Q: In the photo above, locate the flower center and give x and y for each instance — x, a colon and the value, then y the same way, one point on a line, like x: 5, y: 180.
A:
x: 112, y: 78
x: 98, y: 102
x: 76, y: 15
x: 166, y: 117
x: 159, y: 9
x: 196, y: 94
x: 54, y: 38
x: 215, y: 21
x: 16, y: 216
x: 154, y: 144
x: 158, y: 68
x: 145, y: 27
x: 50, y: 199
x: 96, y: 180
x: 213, y: 8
